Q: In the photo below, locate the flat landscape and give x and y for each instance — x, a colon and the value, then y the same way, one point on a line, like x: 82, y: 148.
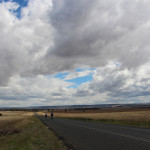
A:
x: 22, y: 130
x: 121, y: 117
x: 80, y: 130
x: 105, y: 130
x: 85, y: 135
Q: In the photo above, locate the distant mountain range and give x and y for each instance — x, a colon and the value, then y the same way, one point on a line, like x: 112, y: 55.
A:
x: 139, y: 105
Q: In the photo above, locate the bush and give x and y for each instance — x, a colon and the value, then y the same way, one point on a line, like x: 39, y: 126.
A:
x: 0, y: 114
x: 9, y: 131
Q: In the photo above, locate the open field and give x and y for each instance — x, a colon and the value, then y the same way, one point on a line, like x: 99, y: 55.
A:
x: 137, y: 117
x: 31, y: 135
x: 12, y: 119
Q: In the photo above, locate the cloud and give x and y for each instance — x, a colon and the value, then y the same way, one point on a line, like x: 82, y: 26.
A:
x: 56, y: 36
x: 110, y: 84
x: 39, y: 88
x: 75, y: 74
x: 118, y: 83
x: 23, y: 41
x: 94, y: 33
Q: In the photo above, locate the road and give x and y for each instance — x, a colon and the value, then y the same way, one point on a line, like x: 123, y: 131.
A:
x: 94, y: 136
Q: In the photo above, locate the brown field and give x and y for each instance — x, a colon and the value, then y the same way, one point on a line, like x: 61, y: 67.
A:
x: 14, y: 119
x: 134, y: 115
x: 22, y: 130
x: 8, y: 115
x: 128, y: 117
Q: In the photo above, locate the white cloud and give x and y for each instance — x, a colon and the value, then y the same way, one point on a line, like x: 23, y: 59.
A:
x: 55, y: 36
x: 25, y: 41
x: 110, y: 84
x: 118, y: 84
x: 39, y: 88
x: 75, y: 74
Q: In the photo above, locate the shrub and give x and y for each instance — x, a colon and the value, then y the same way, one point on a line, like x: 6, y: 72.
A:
x: 9, y: 131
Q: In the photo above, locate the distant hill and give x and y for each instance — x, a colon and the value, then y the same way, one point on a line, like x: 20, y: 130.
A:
x: 100, y: 106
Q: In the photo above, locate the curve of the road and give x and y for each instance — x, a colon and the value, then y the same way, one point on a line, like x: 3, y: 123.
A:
x: 94, y: 136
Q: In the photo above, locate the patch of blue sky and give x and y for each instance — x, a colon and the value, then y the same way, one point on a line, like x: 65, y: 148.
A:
x: 83, y: 69
x: 64, y: 74
x: 61, y: 75
x: 118, y: 64
x: 78, y: 81
x: 75, y: 81
x: 22, y: 3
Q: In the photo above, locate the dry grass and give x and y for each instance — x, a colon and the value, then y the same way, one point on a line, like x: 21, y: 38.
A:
x: 34, y: 134
x: 136, y: 115
x: 7, y: 115
x: 140, y: 118
x: 13, y: 119
x: 42, y: 113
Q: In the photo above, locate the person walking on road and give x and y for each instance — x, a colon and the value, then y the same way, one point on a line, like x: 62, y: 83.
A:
x: 52, y: 115
x: 46, y: 115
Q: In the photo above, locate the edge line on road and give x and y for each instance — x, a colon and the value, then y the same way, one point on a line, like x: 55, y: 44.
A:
x: 119, y: 134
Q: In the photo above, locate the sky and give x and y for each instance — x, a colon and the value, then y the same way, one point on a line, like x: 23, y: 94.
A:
x: 66, y: 52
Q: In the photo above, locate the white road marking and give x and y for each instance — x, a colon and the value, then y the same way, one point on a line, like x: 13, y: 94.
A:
x: 119, y: 134
x: 114, y: 133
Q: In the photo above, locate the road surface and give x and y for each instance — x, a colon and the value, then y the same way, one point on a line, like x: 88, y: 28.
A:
x: 94, y: 136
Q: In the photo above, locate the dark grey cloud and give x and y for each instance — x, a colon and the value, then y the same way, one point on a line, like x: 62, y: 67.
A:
x: 130, y: 94
x: 94, y: 33
x: 10, y: 61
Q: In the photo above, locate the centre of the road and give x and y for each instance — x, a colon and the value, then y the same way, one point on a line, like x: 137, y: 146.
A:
x: 119, y: 134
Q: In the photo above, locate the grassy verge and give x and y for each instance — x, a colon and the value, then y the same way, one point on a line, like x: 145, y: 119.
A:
x: 138, y: 118
x: 33, y: 136
x: 115, y: 122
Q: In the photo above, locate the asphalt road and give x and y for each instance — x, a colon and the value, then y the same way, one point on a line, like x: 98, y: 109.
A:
x: 94, y: 136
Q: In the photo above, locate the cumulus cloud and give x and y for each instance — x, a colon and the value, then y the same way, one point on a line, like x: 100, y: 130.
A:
x: 23, y: 41
x: 51, y: 36
x: 94, y: 33
x: 41, y: 90
x: 117, y: 83
x: 111, y: 84
x: 78, y: 74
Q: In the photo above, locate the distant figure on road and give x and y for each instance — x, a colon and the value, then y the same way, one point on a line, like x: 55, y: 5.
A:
x: 46, y: 115
x: 52, y: 115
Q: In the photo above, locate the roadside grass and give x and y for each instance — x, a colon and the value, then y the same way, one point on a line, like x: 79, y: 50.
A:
x: 133, y: 118
x: 114, y: 122
x: 34, y: 135
x: 14, y: 119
